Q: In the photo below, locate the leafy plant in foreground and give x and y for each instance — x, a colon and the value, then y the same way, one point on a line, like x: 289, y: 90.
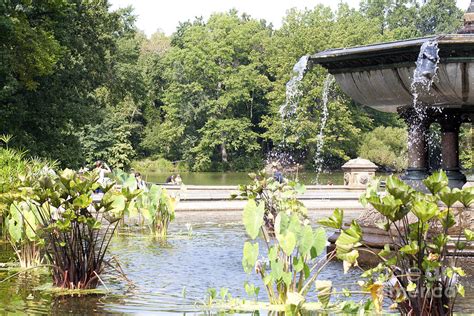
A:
x: 420, y: 271
x: 75, y: 231
x: 291, y: 267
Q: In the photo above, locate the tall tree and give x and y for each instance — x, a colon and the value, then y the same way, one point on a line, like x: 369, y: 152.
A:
x: 214, y: 72
x: 51, y: 93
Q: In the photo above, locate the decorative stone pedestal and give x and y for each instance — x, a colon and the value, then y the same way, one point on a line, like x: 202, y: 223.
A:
x: 358, y: 172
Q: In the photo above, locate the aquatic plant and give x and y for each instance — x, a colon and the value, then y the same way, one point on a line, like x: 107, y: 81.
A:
x: 14, y: 166
x: 157, y: 208
x: 420, y: 271
x: 153, y: 205
x: 20, y: 230
x: 291, y: 265
x: 75, y: 230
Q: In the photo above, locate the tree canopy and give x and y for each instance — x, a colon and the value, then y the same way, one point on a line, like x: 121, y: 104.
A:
x: 79, y: 82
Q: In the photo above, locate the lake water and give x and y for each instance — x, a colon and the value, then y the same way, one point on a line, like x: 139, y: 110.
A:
x: 168, y: 278
x: 236, y: 178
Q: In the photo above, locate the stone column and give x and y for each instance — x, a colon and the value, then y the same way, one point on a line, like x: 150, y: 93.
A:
x: 418, y: 123
x: 450, y: 122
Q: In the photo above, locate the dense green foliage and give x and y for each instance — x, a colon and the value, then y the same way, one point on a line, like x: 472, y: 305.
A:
x: 386, y: 146
x: 80, y: 83
x: 466, y: 143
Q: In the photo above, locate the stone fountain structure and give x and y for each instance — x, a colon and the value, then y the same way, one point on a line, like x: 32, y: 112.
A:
x: 385, y: 77
x: 381, y: 76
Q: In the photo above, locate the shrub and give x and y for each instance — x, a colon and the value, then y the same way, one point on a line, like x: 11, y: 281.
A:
x: 159, y: 165
x: 386, y: 146
x: 466, y: 146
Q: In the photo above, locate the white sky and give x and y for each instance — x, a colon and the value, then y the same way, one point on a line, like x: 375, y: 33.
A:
x: 166, y: 14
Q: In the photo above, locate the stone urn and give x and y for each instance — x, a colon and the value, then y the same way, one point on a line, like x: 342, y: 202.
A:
x: 358, y: 172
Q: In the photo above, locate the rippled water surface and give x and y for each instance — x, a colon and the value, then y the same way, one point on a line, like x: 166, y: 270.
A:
x: 168, y: 278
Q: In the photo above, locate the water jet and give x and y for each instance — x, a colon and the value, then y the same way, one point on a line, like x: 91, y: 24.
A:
x: 381, y: 76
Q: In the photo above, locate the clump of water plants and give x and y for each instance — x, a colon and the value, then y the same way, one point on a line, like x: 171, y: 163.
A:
x: 291, y: 263
x: 157, y: 208
x: 74, y: 230
x: 420, y: 271
x: 153, y: 205
x: 14, y: 167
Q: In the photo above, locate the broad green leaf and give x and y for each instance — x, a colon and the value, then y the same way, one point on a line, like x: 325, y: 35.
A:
x: 250, y: 255
x: 349, y: 259
x: 276, y: 270
x: 410, y: 249
x: 131, y: 183
x: 287, y: 242
x: 467, y: 196
x: 253, y: 218
x: 300, y: 188
x: 30, y: 224
x: 449, y: 197
x: 67, y: 175
x: 389, y: 207
x: 294, y: 225
x: 268, y: 279
x: 385, y: 252
x: 399, y: 189
x: 334, y: 221
x: 14, y: 222
x: 298, y: 263
x: 306, y: 240
x: 273, y: 253
x: 287, y: 276
x: 82, y: 201
x: 450, y: 271
x: 118, y: 204
x: 425, y: 210
x: 251, y: 289
x: 460, y: 289
x: 469, y: 234
x: 446, y: 218
x: 411, y: 287
x: 349, y: 238
x: 223, y: 292
x: 319, y: 240
x: 282, y: 221
x: 436, y: 182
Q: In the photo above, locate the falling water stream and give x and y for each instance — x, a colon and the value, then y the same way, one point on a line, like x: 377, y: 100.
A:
x: 423, y: 79
x: 318, y: 159
x: 293, y: 91
x: 424, y: 74
x: 289, y: 108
